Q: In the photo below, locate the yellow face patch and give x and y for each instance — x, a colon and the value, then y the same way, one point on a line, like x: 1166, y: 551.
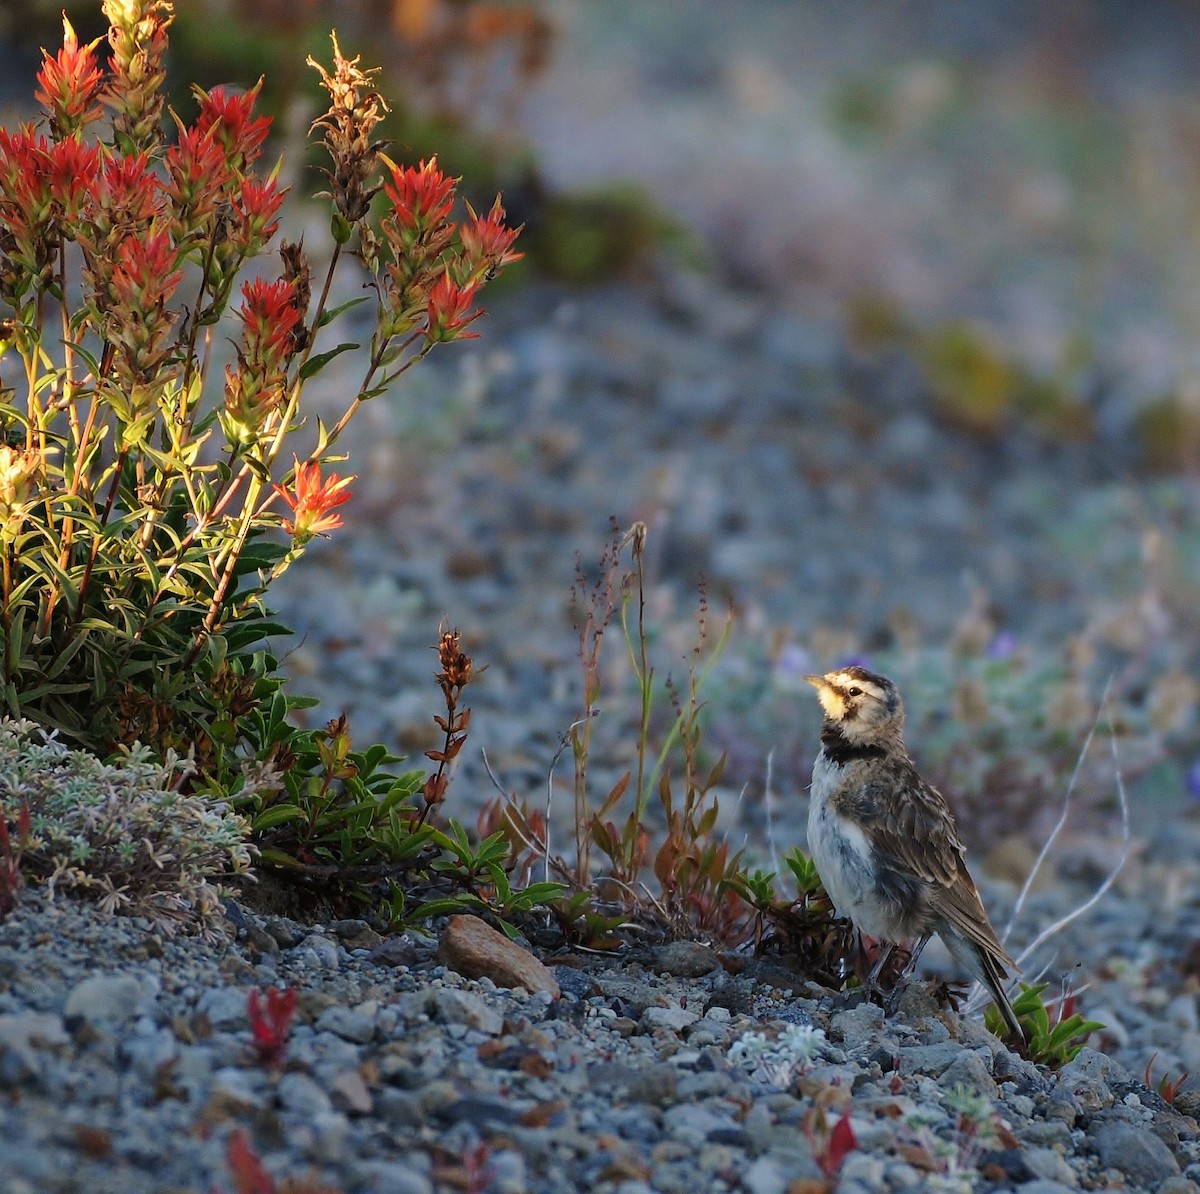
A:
x: 832, y: 701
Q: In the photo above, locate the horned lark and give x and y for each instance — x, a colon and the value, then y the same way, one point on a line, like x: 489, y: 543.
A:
x: 884, y: 841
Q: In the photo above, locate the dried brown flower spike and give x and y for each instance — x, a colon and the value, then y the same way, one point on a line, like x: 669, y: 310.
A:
x: 354, y: 111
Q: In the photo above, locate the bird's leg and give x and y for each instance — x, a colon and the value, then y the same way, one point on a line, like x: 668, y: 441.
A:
x: 870, y: 985
x: 918, y: 949
x: 880, y: 963
x: 902, y: 982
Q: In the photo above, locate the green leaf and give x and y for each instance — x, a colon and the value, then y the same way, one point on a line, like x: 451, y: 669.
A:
x: 318, y: 361
x: 334, y: 312
x: 68, y: 653
x: 445, y: 907
x: 277, y: 814
x: 278, y: 858
x: 542, y: 893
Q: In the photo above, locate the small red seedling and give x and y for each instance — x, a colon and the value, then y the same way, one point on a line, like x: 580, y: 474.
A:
x: 271, y: 1022
x: 830, y: 1147
x: 1167, y: 1087
x: 251, y: 1177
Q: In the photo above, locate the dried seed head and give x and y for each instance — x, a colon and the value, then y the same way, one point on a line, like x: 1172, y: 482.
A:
x: 347, y: 127
x: 456, y: 664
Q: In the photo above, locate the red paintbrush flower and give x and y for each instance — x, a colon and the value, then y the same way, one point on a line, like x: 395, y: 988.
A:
x: 231, y: 120
x: 422, y: 197
x: 69, y: 85
x: 198, y: 172
x: 446, y: 313
x: 270, y: 314
x: 312, y: 501
x: 487, y: 242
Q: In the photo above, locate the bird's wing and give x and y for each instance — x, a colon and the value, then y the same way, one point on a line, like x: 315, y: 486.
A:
x: 918, y: 833
x: 905, y: 818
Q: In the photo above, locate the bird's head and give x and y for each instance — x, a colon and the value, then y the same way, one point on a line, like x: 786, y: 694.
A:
x: 863, y: 706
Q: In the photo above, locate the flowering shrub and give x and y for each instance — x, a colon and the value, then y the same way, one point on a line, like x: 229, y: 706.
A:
x: 137, y: 493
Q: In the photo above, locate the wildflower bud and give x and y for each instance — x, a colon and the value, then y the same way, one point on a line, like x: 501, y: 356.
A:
x: 272, y: 334
x: 17, y: 471
x: 138, y: 37
x: 229, y: 119
x: 340, y: 227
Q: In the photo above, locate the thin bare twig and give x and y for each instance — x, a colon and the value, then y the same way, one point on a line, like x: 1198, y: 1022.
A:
x: 1062, y: 819
x: 768, y: 808
x: 977, y: 992
x: 558, y: 754
x: 1109, y: 879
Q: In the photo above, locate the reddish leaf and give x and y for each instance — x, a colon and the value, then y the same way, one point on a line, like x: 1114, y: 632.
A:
x: 249, y: 1176
x: 714, y: 776
x: 707, y: 821
x: 841, y: 1142
x: 604, y: 835
x: 614, y: 797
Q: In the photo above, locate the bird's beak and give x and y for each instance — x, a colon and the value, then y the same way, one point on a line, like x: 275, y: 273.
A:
x: 817, y: 682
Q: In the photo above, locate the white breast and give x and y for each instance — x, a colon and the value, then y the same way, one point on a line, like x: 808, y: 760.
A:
x: 843, y: 855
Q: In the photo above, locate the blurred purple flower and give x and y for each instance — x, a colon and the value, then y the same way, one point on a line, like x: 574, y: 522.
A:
x: 792, y: 664
x: 1193, y: 779
x: 856, y: 661
x: 1002, y: 646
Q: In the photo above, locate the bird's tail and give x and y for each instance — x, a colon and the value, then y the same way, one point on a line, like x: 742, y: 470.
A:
x: 987, y: 967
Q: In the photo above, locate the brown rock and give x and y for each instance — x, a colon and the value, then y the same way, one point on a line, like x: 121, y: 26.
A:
x: 476, y: 950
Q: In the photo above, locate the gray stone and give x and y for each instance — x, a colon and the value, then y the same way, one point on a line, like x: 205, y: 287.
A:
x: 693, y: 1123
x: 853, y: 1022
x: 1135, y: 1151
x: 1089, y: 1077
x: 438, y: 1096
x: 232, y: 1090
x: 287, y: 933
x: 104, y: 999
x: 23, y: 1037
x: 969, y: 1070
x: 33, y: 1030
x: 508, y: 1174
x: 929, y: 1059
x: 447, y: 1005
x: 300, y: 1094
x: 394, y: 1177
x: 149, y: 1054
x: 330, y: 1131
x: 1049, y: 1164
x: 865, y: 1170
x: 225, y: 1007
x: 1178, y: 1185
x: 765, y: 1176
x: 686, y: 959
x: 675, y: 1019
x: 349, y: 1093
x: 351, y: 1024
x: 319, y: 953
x: 653, y: 1084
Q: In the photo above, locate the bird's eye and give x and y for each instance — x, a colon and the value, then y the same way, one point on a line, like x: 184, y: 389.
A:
x: 854, y: 691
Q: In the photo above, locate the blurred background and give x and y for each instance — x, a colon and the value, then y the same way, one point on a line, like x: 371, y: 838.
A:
x: 883, y: 317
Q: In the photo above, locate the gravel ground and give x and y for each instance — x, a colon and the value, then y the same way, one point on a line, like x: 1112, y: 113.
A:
x: 126, y: 1061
